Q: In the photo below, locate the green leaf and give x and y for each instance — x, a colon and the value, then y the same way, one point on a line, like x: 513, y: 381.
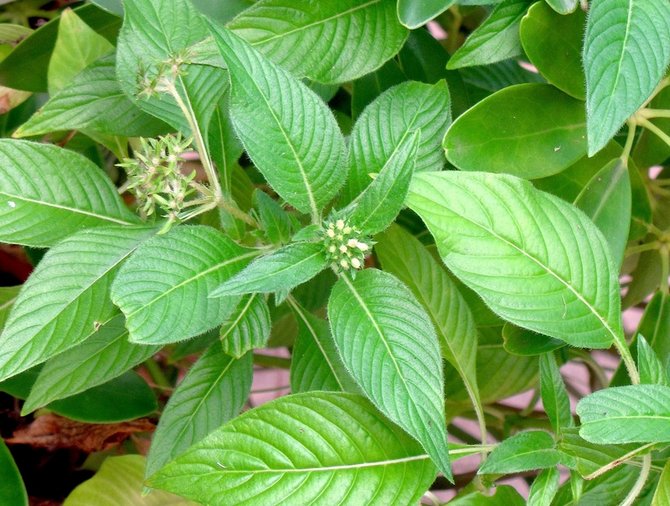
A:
x: 162, y: 290
x: 12, y: 489
x: 224, y: 146
x: 274, y: 220
x: 544, y: 488
x: 381, y: 202
x: 315, y: 362
x: 41, y: 185
x: 248, y: 327
x: 8, y: 295
x: 528, y: 130
x: 655, y: 326
x: 628, y: 414
x: 59, y: 307
x: 77, y: 46
x: 282, y: 269
x: 526, y: 343
x: 104, y: 356
x: 496, y: 39
x: 552, y: 42
x: 220, y: 11
x: 563, y: 6
x: 662, y: 493
x: 289, y: 133
x: 212, y: 393
x: 318, y: 447
x: 652, y: 370
x: 607, y: 200
x: 376, y: 315
x: 119, y: 481
x: 505, y: 495
x: 329, y: 42
x: 621, y: 67
x: 416, y: 13
x: 609, y: 489
x: 153, y: 32
x: 523, y: 252
x: 94, y: 101
x: 524, y: 451
x: 388, y: 121
x: 554, y: 394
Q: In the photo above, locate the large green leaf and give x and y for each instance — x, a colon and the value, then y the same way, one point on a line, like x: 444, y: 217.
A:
x: 626, y: 53
x: 536, y: 260
x: 314, y: 448
x: 329, y: 42
x: 94, y: 101
x: 375, y: 315
x: 41, y: 185
x: 163, y: 289
x: 102, y: 357
x: 248, y: 327
x: 628, y: 414
x: 529, y: 130
x: 287, y: 130
x: 390, y: 119
x: 12, y: 489
x: 496, y: 39
x: 212, y: 393
x: 8, y: 295
x: 416, y: 13
x: 67, y: 297
x: 554, y: 394
x: 522, y: 452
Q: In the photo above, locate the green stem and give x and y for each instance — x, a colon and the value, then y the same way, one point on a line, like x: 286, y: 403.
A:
x: 157, y: 374
x: 641, y: 248
x: 617, y: 462
x: 665, y: 268
x: 622, y: 347
x: 629, y: 143
x: 271, y: 361
x: 639, y: 484
x: 654, y: 129
x: 654, y: 113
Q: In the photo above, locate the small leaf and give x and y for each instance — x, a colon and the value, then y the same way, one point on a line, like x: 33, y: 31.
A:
x: 42, y: 184
x: 212, y: 393
x: 628, y: 414
x: 523, y: 252
x: 275, y: 222
x: 12, y: 489
x: 524, y: 451
x: 527, y: 130
x: 282, y: 269
x: 289, y: 133
x: 662, y: 494
x: 505, y: 495
x: 162, y: 290
x: 621, y: 69
x: 554, y: 394
x: 652, y: 370
x: 563, y: 6
x: 416, y: 13
x: 248, y: 327
x: 496, y: 39
x: 655, y: 326
x: 319, y: 447
x: 376, y: 315
x: 526, y: 343
x: 544, y: 488
x: 61, y: 306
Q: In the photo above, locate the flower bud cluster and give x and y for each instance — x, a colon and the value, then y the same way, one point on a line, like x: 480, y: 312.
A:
x: 346, y: 247
x: 161, y: 77
x: 155, y: 176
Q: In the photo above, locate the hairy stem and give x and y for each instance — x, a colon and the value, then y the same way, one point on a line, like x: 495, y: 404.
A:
x: 639, y: 484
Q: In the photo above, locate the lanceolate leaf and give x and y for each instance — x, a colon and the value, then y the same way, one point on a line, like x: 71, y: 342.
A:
x: 662, y: 494
x: 248, y: 327
x: 287, y: 130
x: 162, y: 290
x: 525, y: 253
x: 12, y: 489
x: 554, y: 394
x: 102, y: 357
x: 375, y: 315
x: 315, y: 448
x: 655, y: 326
x: 523, y: 452
x: 67, y: 297
x: 544, y: 487
x: 213, y: 392
x: 281, y: 270
x: 626, y: 53
x: 8, y: 295
x: 390, y: 119
x: 628, y: 414
x: 41, y: 185
x: 652, y: 370
x: 413, y: 13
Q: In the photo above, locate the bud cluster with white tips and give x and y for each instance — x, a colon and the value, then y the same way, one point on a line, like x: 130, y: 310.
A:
x: 345, y: 245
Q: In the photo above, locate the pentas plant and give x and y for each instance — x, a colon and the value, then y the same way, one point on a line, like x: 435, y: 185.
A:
x: 241, y: 177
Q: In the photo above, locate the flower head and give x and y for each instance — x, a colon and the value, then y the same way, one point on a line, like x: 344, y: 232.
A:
x: 344, y: 244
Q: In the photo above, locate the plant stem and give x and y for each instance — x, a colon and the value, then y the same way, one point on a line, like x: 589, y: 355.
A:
x: 653, y: 129
x: 665, y: 268
x: 157, y: 374
x: 617, y: 462
x: 271, y: 361
x: 622, y: 347
x: 654, y: 113
x: 641, y: 248
x: 629, y: 143
x: 639, y: 484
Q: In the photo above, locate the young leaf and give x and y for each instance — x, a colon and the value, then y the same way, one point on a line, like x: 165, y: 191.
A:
x: 388, y: 121
x: 12, y: 489
x: 662, y: 494
x: 212, y: 393
x: 289, y: 133
x: 274, y: 220
x: 329, y: 42
x: 248, y: 327
x: 496, y: 39
x: 315, y: 362
x: 318, y: 447
x: 554, y: 394
x: 523, y: 251
x: 628, y: 414
x: 8, y: 295
x: 283, y: 269
x: 162, y: 290
x: 416, y: 13
x: 529, y: 130
x: 544, y: 488
x: 522, y: 452
x: 623, y: 38
x: 375, y: 315
x: 60, y: 306
x: 104, y: 356
x: 652, y: 370
x: 42, y: 184
x: 381, y: 202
